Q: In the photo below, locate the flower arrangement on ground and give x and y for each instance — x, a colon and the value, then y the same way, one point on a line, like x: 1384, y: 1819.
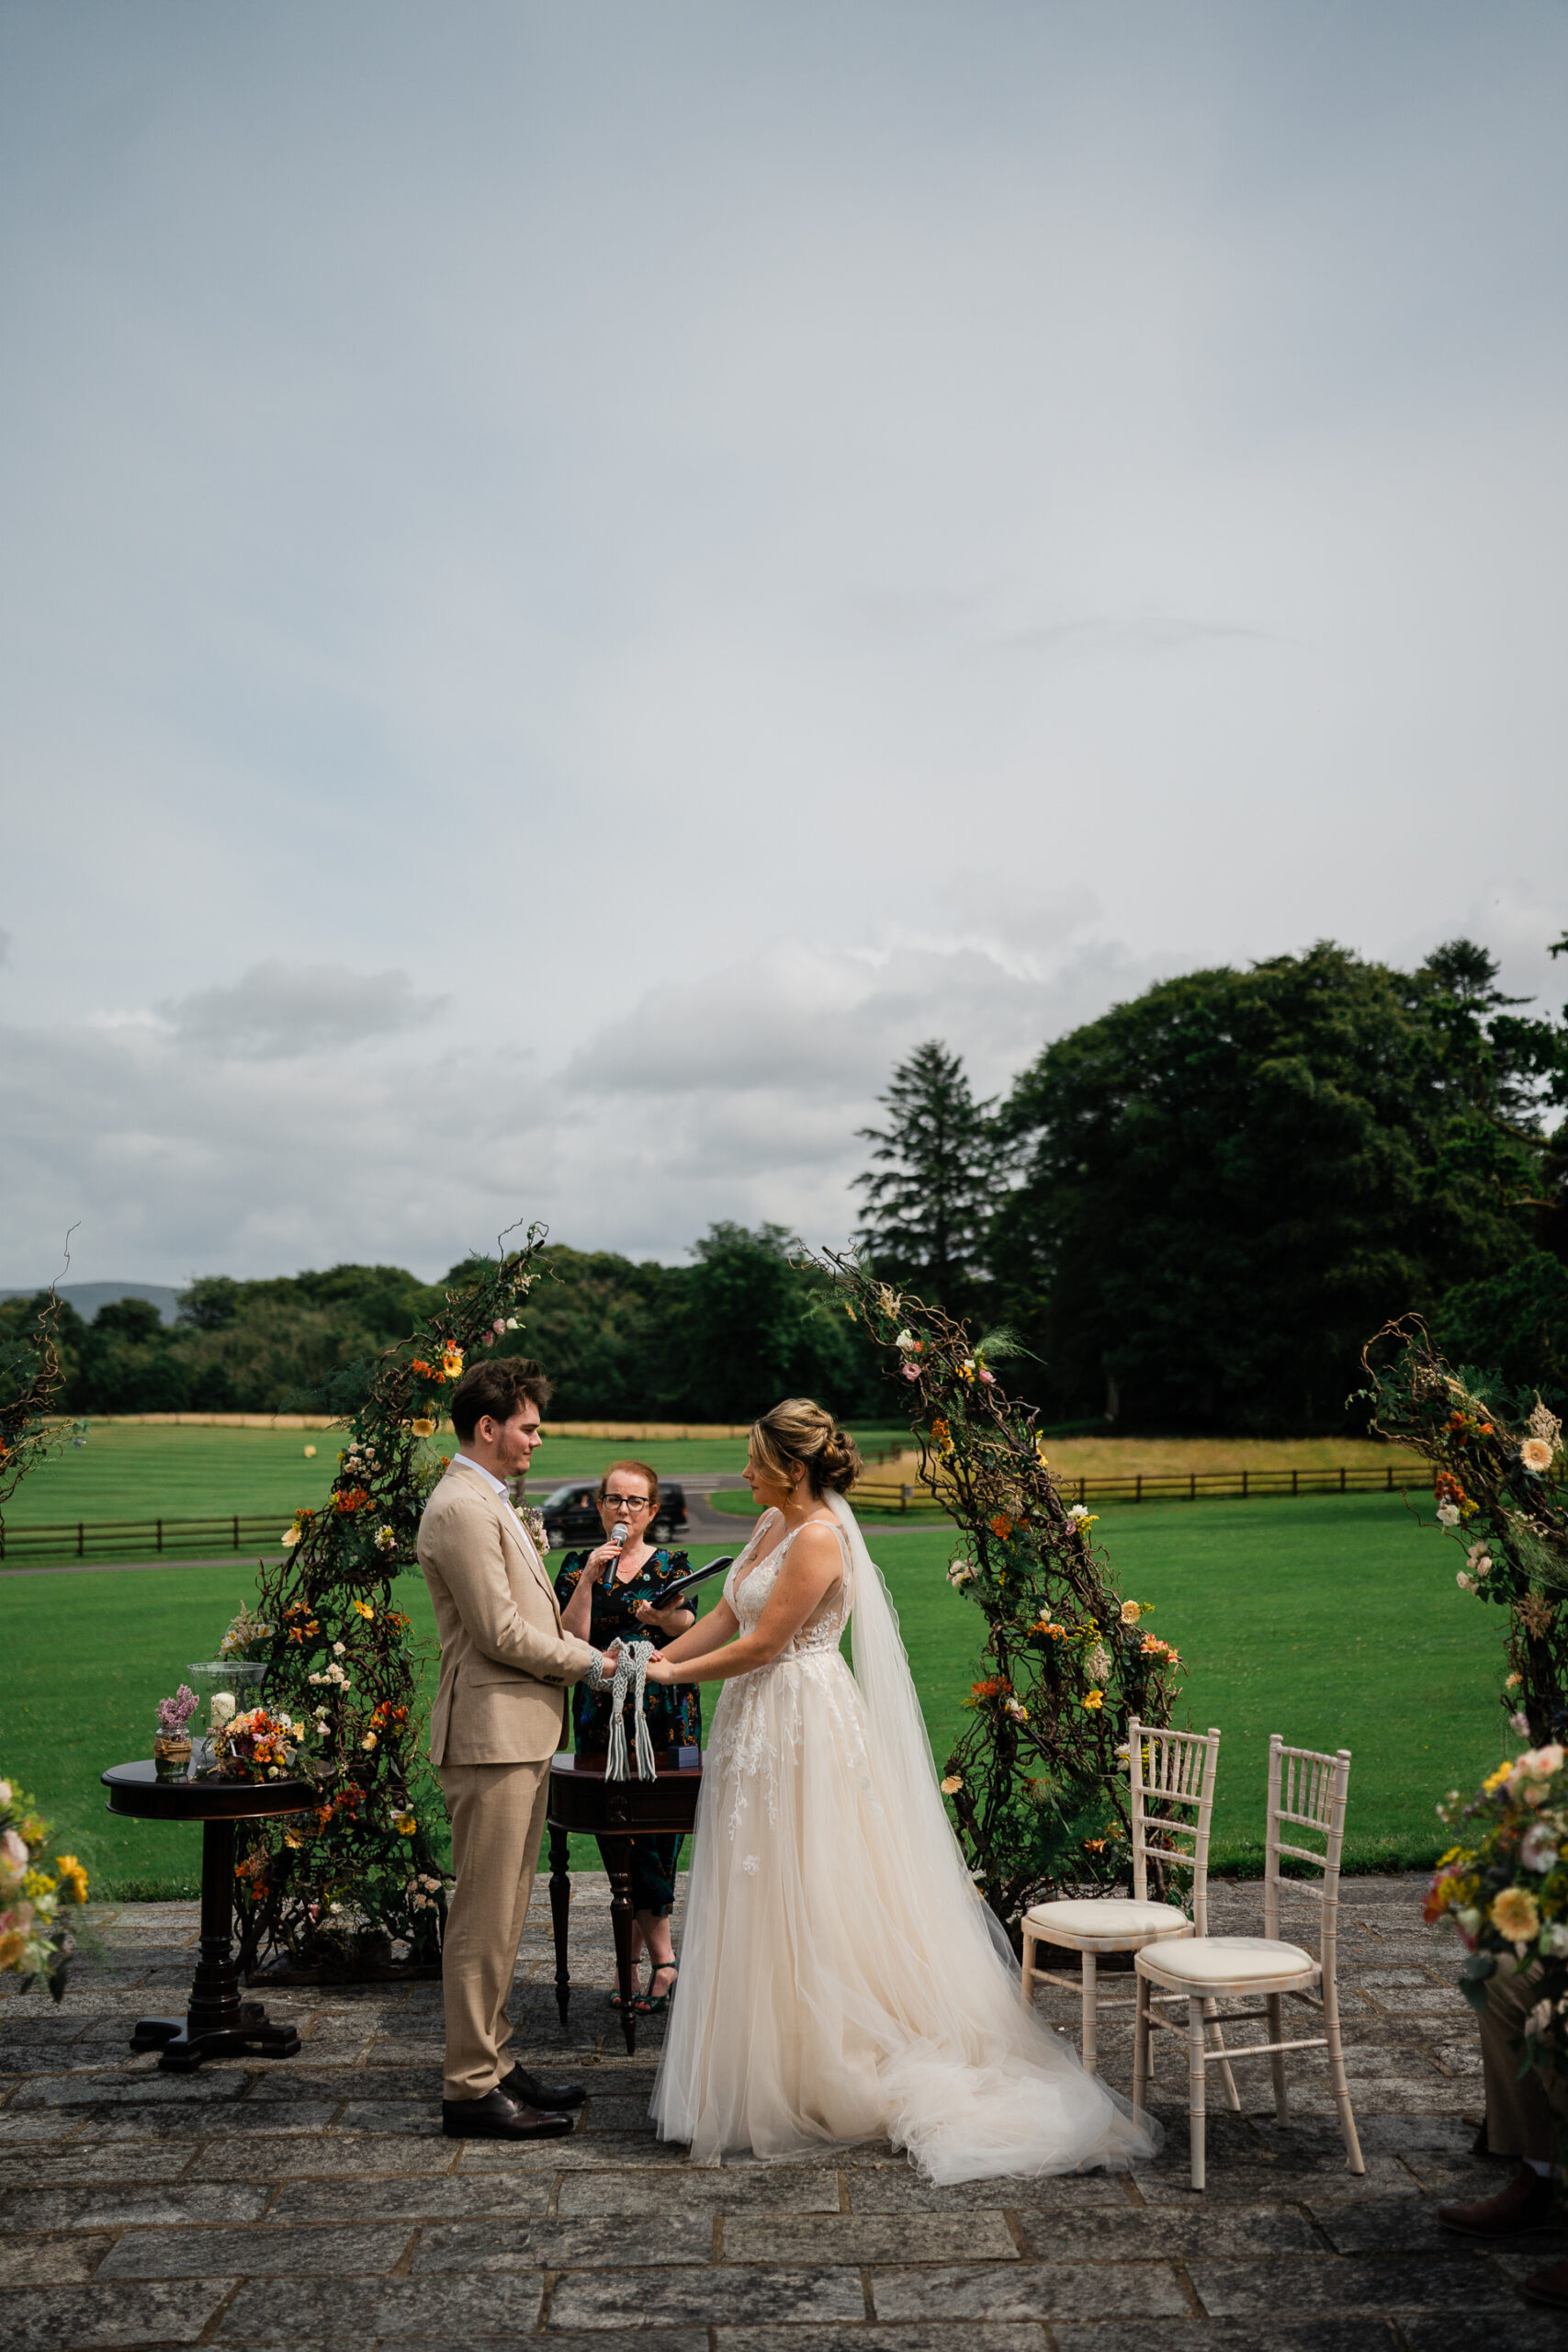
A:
x: 1038, y: 1783
x: 1504, y: 1887
x: 1500, y: 1491
x: 35, y: 1942
x: 356, y: 1884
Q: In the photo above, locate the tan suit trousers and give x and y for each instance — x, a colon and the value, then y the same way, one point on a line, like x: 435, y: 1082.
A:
x: 1523, y: 2119
x: 497, y: 1812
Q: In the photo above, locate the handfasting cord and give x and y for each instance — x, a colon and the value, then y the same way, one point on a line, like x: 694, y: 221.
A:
x: 631, y: 1667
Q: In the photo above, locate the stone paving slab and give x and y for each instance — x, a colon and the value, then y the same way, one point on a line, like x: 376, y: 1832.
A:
x: 314, y: 2204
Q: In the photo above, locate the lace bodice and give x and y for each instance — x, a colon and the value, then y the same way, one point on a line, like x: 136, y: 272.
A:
x: 752, y: 1579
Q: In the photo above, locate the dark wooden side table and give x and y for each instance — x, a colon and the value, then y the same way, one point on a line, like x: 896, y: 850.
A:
x: 617, y: 1811
x: 217, y: 2024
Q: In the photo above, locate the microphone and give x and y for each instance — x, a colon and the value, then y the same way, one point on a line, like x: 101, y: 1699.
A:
x: 619, y: 1532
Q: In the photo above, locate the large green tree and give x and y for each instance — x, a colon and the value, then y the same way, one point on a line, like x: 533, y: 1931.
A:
x: 753, y: 1325
x: 1227, y: 1182
x: 931, y: 1187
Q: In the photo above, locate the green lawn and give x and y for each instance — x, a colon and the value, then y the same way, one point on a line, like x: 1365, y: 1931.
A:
x: 132, y: 1470
x: 1331, y: 1620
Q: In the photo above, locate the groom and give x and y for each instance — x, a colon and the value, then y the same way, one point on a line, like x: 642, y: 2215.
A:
x: 499, y: 1714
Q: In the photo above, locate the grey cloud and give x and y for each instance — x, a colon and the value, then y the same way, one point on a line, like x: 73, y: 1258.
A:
x: 276, y: 1011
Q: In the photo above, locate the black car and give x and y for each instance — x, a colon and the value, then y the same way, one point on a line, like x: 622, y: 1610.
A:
x: 571, y: 1515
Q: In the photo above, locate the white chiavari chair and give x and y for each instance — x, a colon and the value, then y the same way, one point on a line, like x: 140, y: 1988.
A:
x: 1307, y: 1790
x: 1170, y: 1774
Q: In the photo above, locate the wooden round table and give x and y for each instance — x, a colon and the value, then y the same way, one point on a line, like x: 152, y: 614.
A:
x: 617, y: 1811
x: 217, y: 2024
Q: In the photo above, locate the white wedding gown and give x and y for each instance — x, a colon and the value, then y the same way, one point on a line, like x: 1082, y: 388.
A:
x: 840, y: 1979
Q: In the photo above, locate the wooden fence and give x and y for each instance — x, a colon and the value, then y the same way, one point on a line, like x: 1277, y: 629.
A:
x: 905, y: 1498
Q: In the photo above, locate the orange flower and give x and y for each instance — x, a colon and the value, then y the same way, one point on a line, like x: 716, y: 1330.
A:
x: 1002, y: 1526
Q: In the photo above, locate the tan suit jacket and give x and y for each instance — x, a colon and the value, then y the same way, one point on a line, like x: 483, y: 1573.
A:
x: 505, y: 1664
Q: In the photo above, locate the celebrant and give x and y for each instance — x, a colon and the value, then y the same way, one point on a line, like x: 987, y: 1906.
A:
x: 500, y: 1711
x: 612, y: 1594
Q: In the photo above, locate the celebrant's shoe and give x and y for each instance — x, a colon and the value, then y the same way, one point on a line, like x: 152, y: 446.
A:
x: 1526, y: 2204
x: 498, y: 2117
x: 1550, y: 2287
x: 529, y: 2091
x: 652, y: 2003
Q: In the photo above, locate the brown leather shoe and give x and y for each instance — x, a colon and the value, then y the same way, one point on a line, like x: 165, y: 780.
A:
x: 496, y: 2116
x: 1526, y: 2204
x: 524, y: 2090
x: 1550, y: 2287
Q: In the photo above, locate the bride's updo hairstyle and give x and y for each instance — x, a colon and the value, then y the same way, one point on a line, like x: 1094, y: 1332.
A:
x: 798, y: 1430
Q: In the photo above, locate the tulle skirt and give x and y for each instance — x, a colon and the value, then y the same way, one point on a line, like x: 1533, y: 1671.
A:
x: 822, y: 1997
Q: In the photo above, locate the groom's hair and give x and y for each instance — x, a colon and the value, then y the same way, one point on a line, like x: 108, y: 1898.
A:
x: 498, y: 1386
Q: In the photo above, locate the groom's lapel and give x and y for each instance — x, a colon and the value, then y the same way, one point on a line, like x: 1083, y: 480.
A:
x: 519, y: 1534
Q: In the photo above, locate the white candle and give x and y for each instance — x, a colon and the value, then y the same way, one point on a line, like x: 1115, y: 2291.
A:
x: 223, y: 1709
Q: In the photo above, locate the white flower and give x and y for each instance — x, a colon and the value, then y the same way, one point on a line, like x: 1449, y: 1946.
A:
x: 1554, y: 1938
x: 1097, y: 1665
x: 1469, y: 1920
x: 1538, y: 1847
x: 1538, y: 2019
x: 906, y: 1342
x: 1466, y: 1583
x: 337, y: 1649
x: 1077, y: 1510
x: 959, y: 1572
x: 1536, y: 1454
x: 1519, y: 1725
x: 1447, y: 1514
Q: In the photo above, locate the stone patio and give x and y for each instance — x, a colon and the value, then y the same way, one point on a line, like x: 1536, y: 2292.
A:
x: 313, y: 2203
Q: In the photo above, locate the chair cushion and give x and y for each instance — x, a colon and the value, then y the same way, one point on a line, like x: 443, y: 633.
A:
x: 1110, y: 1915
x: 1227, y: 1960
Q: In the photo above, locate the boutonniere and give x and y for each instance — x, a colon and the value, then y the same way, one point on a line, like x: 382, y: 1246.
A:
x: 534, y: 1520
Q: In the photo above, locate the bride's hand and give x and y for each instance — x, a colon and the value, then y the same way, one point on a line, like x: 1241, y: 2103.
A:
x: 660, y: 1670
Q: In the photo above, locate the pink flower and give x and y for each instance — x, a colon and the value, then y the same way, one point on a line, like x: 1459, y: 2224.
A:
x: 911, y: 1372
x: 988, y: 1375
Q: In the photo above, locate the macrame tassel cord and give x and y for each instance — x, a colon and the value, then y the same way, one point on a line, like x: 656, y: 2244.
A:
x: 630, y: 1672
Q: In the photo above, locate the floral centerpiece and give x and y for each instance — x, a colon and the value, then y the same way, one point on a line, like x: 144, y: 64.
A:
x: 171, y: 1741
x: 1502, y: 1885
x: 35, y: 1942
x: 1038, y: 1782
x: 257, y: 1746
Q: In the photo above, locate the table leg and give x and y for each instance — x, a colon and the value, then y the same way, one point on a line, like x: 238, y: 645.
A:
x: 217, y: 2024
x: 561, y: 1906
x: 617, y: 1852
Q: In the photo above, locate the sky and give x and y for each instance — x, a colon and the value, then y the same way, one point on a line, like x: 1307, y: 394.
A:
x: 574, y: 582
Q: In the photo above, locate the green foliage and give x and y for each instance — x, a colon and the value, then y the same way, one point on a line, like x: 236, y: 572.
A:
x: 1226, y: 1183
x: 1038, y: 1782
x: 755, y: 1322
x: 31, y: 1373
x: 930, y: 1192
x: 1498, y: 1481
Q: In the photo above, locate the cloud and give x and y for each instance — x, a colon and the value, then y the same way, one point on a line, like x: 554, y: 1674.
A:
x: 276, y: 1011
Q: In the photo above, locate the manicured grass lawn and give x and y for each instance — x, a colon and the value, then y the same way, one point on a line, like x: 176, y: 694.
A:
x: 1334, y: 1621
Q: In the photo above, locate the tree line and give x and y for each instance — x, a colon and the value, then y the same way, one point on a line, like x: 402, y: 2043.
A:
x: 1190, y: 1214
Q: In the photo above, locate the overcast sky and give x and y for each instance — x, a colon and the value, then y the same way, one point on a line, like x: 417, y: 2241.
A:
x: 578, y: 580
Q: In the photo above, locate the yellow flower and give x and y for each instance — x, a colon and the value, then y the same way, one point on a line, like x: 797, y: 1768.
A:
x: 952, y: 1785
x: 365, y: 1609
x: 451, y: 1363
x: 423, y: 1427
x: 1495, y: 1779
x: 36, y: 1884
x: 1514, y: 1915
x: 1536, y: 1454
x: 368, y: 1740
x: 74, y: 1876
x: 1131, y: 1612
x: 407, y: 1825
x: 1094, y: 1699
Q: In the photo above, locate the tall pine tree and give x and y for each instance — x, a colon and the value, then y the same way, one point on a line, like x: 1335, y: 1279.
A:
x: 933, y: 1182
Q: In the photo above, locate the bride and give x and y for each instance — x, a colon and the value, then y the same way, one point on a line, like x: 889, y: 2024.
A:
x: 839, y: 1980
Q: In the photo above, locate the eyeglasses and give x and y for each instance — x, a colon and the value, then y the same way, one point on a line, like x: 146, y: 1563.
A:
x: 627, y: 1502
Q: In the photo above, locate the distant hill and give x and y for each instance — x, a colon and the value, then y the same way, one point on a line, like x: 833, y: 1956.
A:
x: 87, y: 1297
